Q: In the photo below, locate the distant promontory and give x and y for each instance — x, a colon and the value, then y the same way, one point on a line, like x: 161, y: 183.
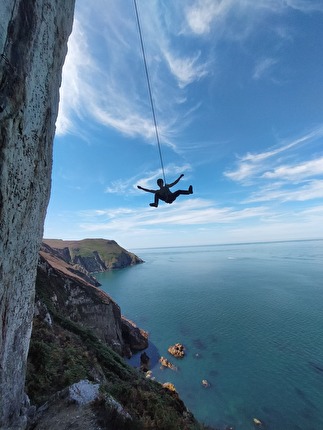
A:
x: 94, y: 255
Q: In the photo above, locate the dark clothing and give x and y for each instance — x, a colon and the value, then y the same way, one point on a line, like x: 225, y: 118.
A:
x: 165, y: 194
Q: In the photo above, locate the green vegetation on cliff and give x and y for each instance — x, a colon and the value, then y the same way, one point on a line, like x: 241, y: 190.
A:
x: 95, y: 254
x: 63, y: 352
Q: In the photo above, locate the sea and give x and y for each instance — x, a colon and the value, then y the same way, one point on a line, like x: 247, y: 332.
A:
x: 250, y: 317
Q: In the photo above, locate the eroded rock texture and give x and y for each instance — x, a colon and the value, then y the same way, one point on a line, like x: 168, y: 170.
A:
x: 33, y: 44
x: 75, y: 295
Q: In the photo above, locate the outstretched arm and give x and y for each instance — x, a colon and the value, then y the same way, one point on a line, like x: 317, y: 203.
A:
x: 145, y: 189
x: 175, y: 182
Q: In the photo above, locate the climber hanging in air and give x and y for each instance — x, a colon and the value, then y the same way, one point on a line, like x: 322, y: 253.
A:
x: 164, y: 193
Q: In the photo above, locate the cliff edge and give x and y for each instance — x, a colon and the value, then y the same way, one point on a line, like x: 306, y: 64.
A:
x: 75, y: 294
x: 76, y: 377
x: 94, y: 255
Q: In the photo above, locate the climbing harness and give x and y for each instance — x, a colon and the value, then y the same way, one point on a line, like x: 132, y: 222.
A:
x: 149, y: 89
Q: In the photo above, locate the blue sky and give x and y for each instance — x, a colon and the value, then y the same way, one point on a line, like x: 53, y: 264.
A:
x: 238, y: 93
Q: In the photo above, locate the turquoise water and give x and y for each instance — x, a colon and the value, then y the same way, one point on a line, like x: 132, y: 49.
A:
x: 251, y: 319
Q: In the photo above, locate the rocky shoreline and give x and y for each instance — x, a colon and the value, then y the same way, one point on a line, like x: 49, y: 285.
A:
x: 78, y: 340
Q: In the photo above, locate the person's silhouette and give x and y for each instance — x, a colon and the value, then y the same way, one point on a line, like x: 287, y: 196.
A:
x: 164, y: 193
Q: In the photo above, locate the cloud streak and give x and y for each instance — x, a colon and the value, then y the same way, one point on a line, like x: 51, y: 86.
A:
x: 186, y: 70
x: 191, y: 212
x: 214, y: 224
x: 273, y: 179
x: 255, y: 165
x: 99, y: 83
x: 309, y: 191
x: 75, y: 88
x: 297, y: 172
x: 263, y: 68
x: 129, y: 186
x: 203, y: 16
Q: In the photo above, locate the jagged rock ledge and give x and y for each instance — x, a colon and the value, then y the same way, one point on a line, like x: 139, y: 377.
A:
x: 75, y: 295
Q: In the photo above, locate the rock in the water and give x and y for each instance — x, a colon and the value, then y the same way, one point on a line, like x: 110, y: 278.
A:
x: 169, y: 386
x: 149, y: 375
x: 166, y: 363
x: 144, y: 362
x: 205, y: 383
x: 132, y: 335
x: 177, y: 350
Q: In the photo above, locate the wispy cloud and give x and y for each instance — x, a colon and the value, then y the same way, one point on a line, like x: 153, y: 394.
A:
x: 297, y: 171
x: 119, y: 187
x: 187, y: 69
x: 75, y: 89
x: 276, y: 175
x: 188, y: 212
x: 104, y: 79
x: 307, y: 191
x: 214, y: 224
x: 99, y: 82
x: 305, y: 5
x: 135, y: 227
x: 90, y: 91
x: 263, y: 68
x: 255, y: 165
x: 129, y: 185
x: 204, y: 15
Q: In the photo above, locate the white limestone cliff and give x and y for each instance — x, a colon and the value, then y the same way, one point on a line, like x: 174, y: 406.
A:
x: 33, y: 45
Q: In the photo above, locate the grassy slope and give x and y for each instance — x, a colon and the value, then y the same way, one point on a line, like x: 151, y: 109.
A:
x: 65, y: 353
x: 107, y: 249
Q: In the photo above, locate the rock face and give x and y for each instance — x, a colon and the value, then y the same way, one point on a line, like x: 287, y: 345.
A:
x: 144, y: 362
x: 75, y: 295
x: 74, y: 405
x: 136, y: 338
x: 56, y: 258
x: 94, y: 255
x: 33, y: 45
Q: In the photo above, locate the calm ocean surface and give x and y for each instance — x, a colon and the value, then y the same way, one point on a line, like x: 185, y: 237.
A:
x: 251, y: 319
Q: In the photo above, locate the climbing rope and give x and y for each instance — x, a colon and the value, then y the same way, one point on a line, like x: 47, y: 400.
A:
x: 149, y: 89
